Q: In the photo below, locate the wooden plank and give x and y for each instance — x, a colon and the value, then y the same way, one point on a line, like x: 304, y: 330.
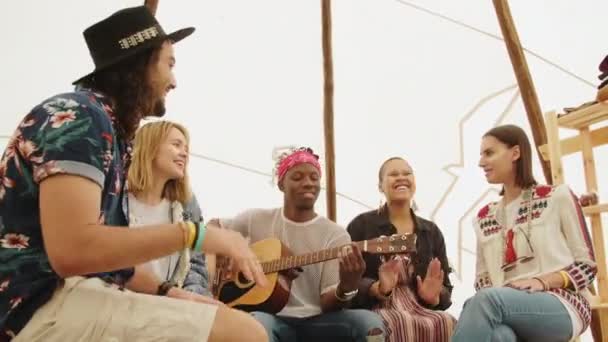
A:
x: 524, y: 79
x: 585, y: 117
x: 595, y: 209
x: 599, y: 324
x: 599, y: 306
x: 596, y: 303
x: 588, y: 159
x: 328, y: 110
x: 596, y: 220
x: 555, y: 153
x: 574, y: 144
x: 586, y: 121
x: 598, y: 313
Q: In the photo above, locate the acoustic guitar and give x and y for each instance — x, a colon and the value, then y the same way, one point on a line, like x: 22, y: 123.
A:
x: 276, y: 258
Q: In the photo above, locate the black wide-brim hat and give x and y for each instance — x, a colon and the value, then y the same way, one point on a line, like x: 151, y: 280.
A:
x: 124, y: 34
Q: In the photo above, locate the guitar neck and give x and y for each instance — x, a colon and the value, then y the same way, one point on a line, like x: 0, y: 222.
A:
x: 293, y: 261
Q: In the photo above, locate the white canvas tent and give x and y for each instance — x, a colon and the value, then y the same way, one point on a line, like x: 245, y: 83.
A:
x: 417, y: 79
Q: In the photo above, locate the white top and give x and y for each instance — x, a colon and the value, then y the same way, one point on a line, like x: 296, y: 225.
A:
x: 300, y: 237
x: 558, y: 236
x: 142, y: 214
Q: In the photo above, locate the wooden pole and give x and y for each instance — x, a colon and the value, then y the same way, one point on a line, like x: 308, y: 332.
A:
x: 152, y: 5
x: 524, y: 80
x: 328, y: 110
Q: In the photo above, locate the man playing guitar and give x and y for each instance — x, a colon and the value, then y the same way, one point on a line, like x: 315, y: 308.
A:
x: 317, y: 307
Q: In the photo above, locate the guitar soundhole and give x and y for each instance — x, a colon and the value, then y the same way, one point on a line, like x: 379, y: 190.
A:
x: 231, y: 292
x: 242, y: 279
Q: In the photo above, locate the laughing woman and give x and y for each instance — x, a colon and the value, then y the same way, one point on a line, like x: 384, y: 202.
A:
x: 409, y: 294
x: 534, y: 255
x: 159, y: 192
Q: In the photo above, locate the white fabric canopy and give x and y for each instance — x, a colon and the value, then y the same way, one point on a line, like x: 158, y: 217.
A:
x: 422, y: 80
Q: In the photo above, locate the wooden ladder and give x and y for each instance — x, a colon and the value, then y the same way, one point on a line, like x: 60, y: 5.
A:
x: 584, y: 142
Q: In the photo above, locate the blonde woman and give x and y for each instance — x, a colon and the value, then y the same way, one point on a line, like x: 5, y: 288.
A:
x: 159, y: 193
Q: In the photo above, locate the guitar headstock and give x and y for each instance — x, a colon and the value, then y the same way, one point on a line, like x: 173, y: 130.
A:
x: 397, y: 243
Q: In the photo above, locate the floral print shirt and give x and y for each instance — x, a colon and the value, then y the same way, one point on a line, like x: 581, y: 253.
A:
x: 72, y: 133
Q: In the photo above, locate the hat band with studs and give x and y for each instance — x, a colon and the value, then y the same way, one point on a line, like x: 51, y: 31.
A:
x: 139, y: 37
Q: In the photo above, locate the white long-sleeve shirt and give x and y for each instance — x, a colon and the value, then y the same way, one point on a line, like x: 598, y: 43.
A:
x: 559, y: 240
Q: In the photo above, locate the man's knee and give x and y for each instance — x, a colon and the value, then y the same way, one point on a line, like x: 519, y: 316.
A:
x: 367, y: 325
x: 234, y: 325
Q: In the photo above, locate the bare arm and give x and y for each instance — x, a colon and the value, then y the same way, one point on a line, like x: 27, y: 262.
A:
x: 211, y: 258
x: 351, y: 268
x: 145, y: 281
x: 329, y: 302
x: 76, y: 244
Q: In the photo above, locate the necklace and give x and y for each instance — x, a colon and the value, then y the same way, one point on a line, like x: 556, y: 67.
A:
x: 510, y: 257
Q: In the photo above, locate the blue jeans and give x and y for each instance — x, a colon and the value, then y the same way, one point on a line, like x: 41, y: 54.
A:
x: 343, y: 326
x: 505, y: 314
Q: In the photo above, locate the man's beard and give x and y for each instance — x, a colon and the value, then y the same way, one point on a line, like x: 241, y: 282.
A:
x: 159, y: 108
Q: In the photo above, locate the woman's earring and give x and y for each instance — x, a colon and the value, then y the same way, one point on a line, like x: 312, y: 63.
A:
x: 414, y: 206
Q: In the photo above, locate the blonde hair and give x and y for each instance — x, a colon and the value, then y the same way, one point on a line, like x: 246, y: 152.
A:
x: 146, y: 144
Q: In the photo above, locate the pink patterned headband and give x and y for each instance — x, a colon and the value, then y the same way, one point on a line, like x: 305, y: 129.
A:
x: 302, y: 156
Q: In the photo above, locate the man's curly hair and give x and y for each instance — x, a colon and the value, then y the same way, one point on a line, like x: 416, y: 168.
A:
x: 127, y: 84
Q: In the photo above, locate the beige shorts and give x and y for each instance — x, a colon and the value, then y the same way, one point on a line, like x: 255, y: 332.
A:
x: 88, y: 309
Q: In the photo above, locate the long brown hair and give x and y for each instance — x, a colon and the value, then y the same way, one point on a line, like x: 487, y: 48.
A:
x: 127, y: 84
x: 512, y: 135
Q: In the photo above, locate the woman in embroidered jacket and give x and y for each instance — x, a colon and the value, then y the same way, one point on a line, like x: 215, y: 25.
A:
x: 159, y: 192
x: 410, y: 295
x: 534, y: 255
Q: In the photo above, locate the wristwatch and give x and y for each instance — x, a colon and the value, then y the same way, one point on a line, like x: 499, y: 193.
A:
x: 346, y: 296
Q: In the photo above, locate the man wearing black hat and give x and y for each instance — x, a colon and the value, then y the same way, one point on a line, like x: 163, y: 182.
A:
x: 66, y: 269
